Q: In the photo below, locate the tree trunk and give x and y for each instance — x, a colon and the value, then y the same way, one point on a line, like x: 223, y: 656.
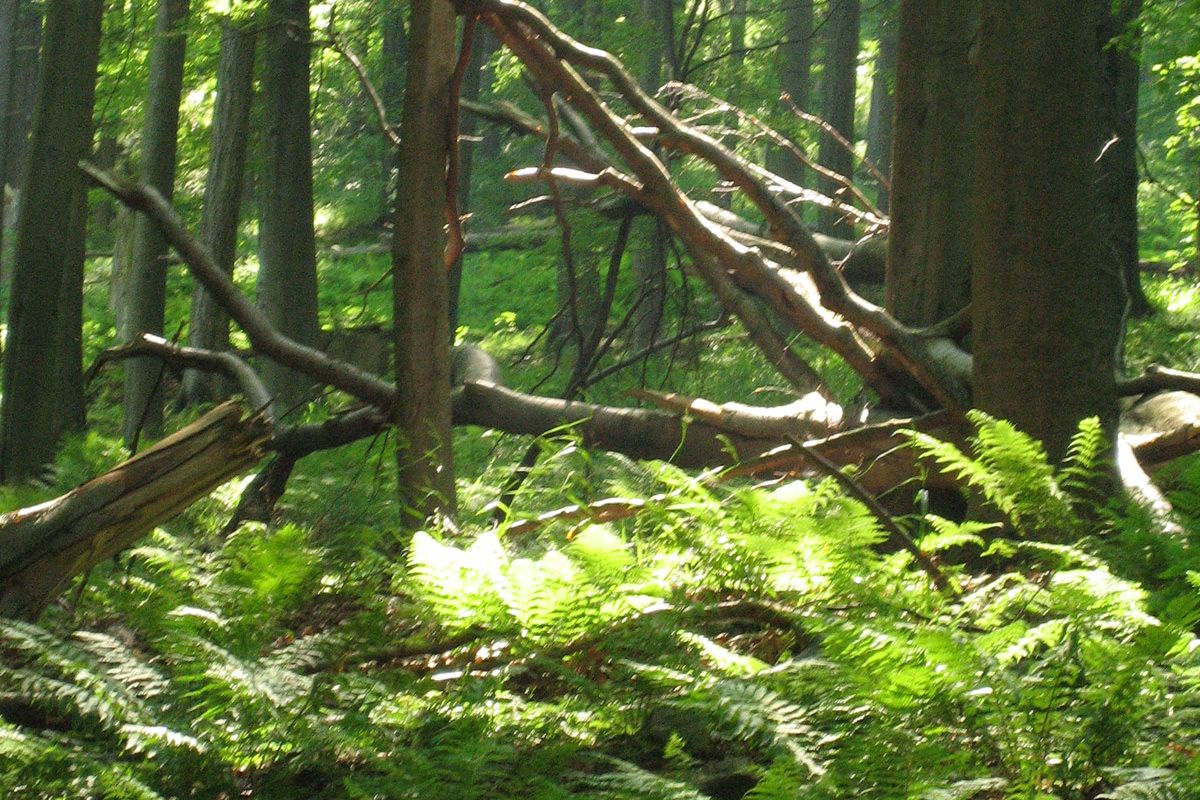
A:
x: 209, y: 326
x: 649, y: 251
x: 929, y: 241
x: 879, y: 121
x: 737, y: 40
x: 27, y: 43
x: 1047, y: 306
x: 146, y: 301
x: 837, y: 105
x: 8, y: 31
x: 393, y: 57
x: 1119, y: 37
x: 794, y: 66
x: 21, y: 27
x: 475, y: 80
x: 423, y: 423
x: 43, y: 394
x: 287, y: 250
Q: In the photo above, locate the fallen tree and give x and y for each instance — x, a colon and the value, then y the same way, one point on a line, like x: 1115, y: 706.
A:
x: 43, y: 547
x: 776, y: 278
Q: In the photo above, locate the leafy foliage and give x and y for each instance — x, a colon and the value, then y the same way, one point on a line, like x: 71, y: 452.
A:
x: 726, y: 642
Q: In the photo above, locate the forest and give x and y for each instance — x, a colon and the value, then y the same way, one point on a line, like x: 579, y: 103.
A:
x: 600, y: 399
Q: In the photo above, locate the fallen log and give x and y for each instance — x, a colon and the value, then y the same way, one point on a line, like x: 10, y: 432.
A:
x: 512, y: 237
x: 44, y: 546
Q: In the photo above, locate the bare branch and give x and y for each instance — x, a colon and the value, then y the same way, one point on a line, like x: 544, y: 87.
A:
x: 263, y: 337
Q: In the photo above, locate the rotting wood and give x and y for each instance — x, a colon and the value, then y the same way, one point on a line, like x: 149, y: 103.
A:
x: 44, y: 546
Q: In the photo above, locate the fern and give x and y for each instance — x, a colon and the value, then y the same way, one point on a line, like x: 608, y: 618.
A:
x: 1012, y: 471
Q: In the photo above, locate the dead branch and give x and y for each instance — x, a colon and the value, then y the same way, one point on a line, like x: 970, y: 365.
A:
x: 552, y: 55
x: 265, y: 339
x: 1158, y: 378
x: 811, y: 415
x: 180, y: 358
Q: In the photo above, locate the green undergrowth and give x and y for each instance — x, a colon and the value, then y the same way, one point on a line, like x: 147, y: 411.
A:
x: 708, y: 640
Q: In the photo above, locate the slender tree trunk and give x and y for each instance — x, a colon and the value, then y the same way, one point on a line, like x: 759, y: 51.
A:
x: 475, y: 80
x: 287, y: 251
x: 423, y: 423
x: 9, y: 10
x: 108, y: 153
x: 209, y: 326
x: 837, y: 103
x: 794, y: 66
x: 43, y: 387
x: 1047, y: 304
x: 737, y: 37
x: 148, y: 275
x: 650, y: 235
x: 1119, y: 77
x: 879, y: 121
x: 929, y: 241
x: 393, y: 57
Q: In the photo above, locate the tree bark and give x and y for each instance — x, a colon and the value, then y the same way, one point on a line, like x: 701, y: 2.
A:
x: 146, y: 301
x: 208, y: 327
x: 929, y: 239
x: 793, y: 65
x: 1119, y: 39
x: 423, y: 423
x: 287, y: 251
x: 23, y: 25
x: 837, y: 105
x: 477, y: 78
x: 1047, y: 303
x: 394, y: 59
x: 880, y: 118
x: 18, y: 120
x: 43, y: 372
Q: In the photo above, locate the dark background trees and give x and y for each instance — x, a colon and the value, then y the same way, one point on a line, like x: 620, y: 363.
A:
x: 544, y: 608
x: 43, y: 371
x: 318, y: 129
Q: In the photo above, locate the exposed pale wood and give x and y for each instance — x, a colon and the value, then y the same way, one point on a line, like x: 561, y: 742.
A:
x: 43, y: 547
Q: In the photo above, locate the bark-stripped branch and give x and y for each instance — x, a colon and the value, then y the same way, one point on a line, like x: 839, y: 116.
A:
x: 554, y: 56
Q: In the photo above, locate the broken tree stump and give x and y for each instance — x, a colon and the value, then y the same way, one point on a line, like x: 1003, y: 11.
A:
x: 44, y: 546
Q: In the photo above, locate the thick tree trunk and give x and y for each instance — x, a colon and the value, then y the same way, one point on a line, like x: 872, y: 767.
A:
x: 209, y: 326
x: 18, y: 122
x: 287, y: 251
x: 423, y: 425
x: 146, y: 301
x: 880, y: 119
x: 1119, y: 37
x: 929, y: 240
x: 837, y: 105
x: 43, y: 387
x: 1047, y: 304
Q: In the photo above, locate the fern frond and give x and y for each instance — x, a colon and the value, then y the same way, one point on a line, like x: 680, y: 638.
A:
x: 1146, y: 784
x: 627, y: 781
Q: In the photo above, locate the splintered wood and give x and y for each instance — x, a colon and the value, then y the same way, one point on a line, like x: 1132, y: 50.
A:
x: 44, y: 546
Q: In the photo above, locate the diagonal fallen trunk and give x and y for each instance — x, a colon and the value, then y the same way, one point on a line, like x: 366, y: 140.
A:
x: 44, y: 546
